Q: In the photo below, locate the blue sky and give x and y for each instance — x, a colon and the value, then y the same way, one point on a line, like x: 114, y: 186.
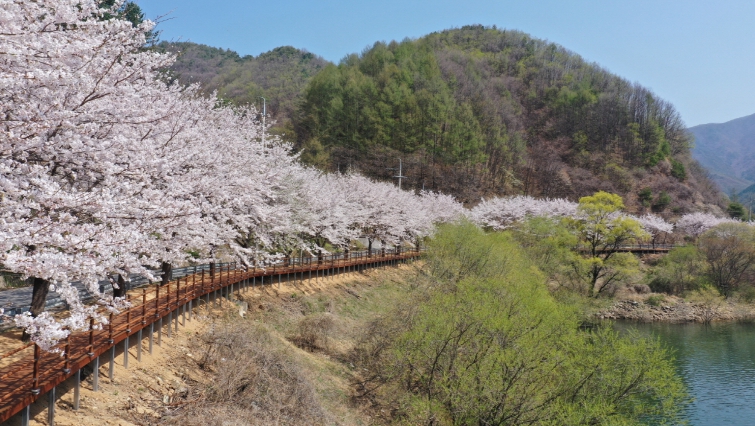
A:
x: 699, y: 55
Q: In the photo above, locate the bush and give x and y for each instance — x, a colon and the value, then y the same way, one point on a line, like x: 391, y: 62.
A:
x: 486, y: 344
x: 729, y: 250
x: 747, y: 294
x: 255, y: 382
x: 677, y: 170
x: 313, y: 331
x: 655, y: 300
x: 645, y: 196
x: 661, y: 202
x: 678, y: 272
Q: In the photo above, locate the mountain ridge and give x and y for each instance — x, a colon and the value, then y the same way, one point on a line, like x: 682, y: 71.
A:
x: 727, y: 150
x: 480, y: 112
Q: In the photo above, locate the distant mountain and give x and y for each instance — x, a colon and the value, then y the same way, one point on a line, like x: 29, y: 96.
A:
x: 727, y: 150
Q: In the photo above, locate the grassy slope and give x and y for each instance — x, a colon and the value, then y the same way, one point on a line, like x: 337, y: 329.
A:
x: 171, y: 387
x: 350, y: 301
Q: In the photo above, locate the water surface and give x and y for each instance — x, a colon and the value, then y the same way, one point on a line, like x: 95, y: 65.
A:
x: 717, y: 362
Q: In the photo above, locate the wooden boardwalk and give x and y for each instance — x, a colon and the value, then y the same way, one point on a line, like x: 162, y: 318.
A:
x: 29, y: 373
x: 636, y: 249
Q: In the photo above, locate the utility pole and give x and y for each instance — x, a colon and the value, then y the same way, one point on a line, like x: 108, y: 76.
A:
x: 400, y: 176
x: 264, y: 113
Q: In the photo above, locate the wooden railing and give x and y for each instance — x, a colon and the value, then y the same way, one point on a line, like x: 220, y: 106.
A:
x: 30, y: 372
x: 636, y: 248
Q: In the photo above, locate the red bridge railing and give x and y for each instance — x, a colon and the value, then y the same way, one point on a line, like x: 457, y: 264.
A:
x: 29, y: 372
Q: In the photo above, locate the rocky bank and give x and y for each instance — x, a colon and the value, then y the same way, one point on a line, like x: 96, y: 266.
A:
x: 673, y: 309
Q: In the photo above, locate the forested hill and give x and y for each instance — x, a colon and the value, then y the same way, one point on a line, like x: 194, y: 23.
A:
x: 279, y: 75
x: 479, y: 111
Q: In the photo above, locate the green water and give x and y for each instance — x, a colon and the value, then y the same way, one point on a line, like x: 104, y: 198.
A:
x: 717, y: 363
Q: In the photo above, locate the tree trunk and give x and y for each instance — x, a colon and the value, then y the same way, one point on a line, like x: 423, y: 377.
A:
x: 167, y: 269
x: 594, y: 281
x: 123, y: 287
x: 212, y: 269
x: 38, y: 299
x: 369, y: 247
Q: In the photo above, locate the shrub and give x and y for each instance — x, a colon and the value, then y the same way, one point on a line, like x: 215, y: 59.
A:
x: 255, y: 382
x: 680, y: 271
x: 729, y: 250
x: 313, y: 331
x: 661, y: 202
x: 677, y: 170
x: 655, y: 300
x: 486, y: 344
x: 747, y: 294
x: 645, y: 196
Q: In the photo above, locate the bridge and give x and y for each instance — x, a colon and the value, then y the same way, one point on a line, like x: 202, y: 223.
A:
x: 27, y: 372
x: 637, y: 248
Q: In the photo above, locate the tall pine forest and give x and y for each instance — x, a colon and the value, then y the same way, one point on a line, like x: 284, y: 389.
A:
x: 475, y: 112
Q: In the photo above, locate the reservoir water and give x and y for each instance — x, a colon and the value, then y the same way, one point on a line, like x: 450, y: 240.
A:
x: 717, y: 363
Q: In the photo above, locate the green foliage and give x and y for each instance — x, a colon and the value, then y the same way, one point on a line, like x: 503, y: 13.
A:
x: 656, y: 300
x: 279, y: 75
x: 452, y: 262
x: 736, y: 210
x: 549, y: 244
x: 601, y: 233
x: 314, y: 154
x: 680, y: 271
x: 646, y: 196
x: 600, y: 205
x: 468, y: 97
x: 661, y: 202
x: 677, y: 170
x: 487, y: 344
x: 393, y: 95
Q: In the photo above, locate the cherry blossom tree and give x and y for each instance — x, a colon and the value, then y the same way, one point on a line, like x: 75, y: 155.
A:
x: 502, y: 213
x: 694, y: 224
x: 109, y: 171
x: 105, y: 168
x: 654, y: 226
x: 70, y: 87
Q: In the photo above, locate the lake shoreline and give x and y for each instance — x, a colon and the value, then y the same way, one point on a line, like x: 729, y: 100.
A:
x: 677, y: 310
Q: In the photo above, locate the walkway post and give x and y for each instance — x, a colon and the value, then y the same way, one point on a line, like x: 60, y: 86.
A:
x: 51, y: 407
x: 35, y: 372
x: 77, y: 390
x: 25, y: 416
x: 110, y: 341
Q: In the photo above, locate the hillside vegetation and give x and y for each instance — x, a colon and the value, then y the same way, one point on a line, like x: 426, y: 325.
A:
x: 471, y: 336
x: 476, y: 112
x: 279, y: 75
